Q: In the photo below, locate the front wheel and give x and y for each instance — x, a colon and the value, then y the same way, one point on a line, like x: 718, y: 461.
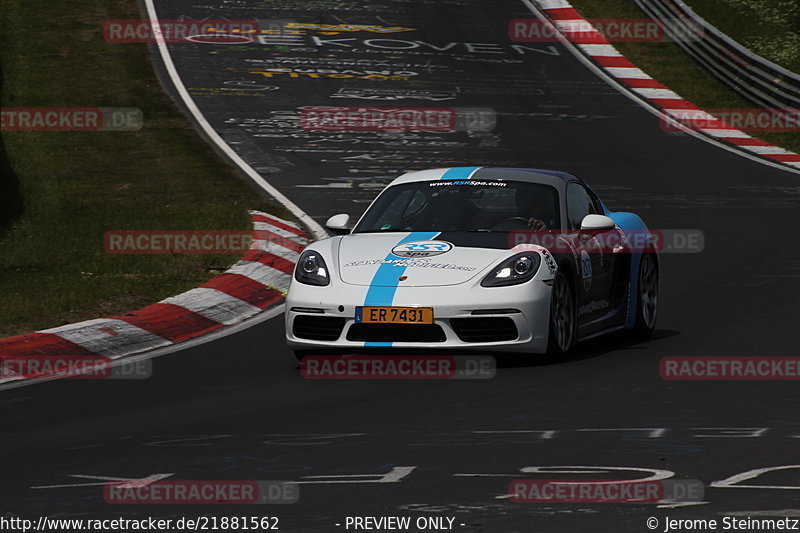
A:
x: 563, y: 316
x: 646, y: 297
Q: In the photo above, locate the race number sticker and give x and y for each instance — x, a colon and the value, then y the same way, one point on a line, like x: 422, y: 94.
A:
x: 586, y: 270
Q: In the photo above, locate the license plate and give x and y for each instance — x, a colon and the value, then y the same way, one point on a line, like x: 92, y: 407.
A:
x: 394, y: 315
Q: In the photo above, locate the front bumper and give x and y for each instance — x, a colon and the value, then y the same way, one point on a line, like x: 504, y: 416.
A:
x: 523, y: 312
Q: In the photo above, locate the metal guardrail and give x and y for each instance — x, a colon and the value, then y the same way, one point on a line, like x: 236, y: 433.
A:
x: 758, y: 79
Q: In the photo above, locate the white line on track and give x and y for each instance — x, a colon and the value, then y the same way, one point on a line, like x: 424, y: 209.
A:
x: 318, y: 231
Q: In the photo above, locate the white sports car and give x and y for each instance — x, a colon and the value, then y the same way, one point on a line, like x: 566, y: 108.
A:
x: 475, y: 258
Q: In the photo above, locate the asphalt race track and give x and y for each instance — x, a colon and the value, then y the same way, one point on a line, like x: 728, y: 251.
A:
x: 238, y: 408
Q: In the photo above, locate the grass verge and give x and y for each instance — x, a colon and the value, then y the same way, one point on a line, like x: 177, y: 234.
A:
x: 61, y: 191
x: 670, y: 65
x: 770, y: 28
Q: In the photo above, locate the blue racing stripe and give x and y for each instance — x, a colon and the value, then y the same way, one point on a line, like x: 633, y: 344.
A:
x: 384, y: 282
x: 459, y: 173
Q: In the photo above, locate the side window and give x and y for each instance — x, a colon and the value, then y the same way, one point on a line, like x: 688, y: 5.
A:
x: 579, y: 204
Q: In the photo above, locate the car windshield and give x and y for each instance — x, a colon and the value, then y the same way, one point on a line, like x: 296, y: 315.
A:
x: 460, y: 205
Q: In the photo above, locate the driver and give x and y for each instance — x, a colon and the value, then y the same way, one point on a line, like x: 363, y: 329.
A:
x: 535, y: 207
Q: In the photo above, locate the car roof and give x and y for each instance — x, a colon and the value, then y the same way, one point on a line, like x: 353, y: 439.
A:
x: 554, y: 178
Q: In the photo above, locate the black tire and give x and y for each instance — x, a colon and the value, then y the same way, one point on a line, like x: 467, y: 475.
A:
x: 646, y: 297
x: 563, y: 317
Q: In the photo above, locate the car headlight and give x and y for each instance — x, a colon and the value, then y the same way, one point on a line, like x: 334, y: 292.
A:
x: 517, y: 269
x: 311, y: 269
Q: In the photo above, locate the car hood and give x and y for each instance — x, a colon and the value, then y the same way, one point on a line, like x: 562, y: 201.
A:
x: 427, y: 259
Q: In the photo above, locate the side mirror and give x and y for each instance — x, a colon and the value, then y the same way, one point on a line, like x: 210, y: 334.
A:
x: 339, y: 224
x: 597, y: 223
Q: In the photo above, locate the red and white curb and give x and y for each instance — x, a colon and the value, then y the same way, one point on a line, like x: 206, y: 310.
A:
x: 579, y: 31
x: 257, y: 282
